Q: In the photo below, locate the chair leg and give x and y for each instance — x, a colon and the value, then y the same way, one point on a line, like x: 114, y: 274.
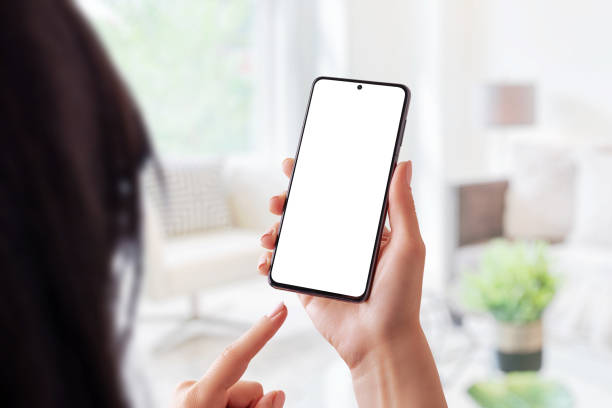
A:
x: 194, y: 306
x: 196, y: 325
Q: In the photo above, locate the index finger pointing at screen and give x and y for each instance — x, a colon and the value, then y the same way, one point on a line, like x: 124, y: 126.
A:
x: 229, y: 367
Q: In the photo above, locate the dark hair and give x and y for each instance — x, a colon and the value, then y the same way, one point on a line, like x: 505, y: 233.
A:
x: 72, y: 143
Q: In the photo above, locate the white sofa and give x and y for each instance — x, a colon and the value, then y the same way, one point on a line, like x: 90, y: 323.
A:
x: 186, y: 264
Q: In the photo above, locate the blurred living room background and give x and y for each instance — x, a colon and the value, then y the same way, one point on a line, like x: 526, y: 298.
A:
x: 510, y: 132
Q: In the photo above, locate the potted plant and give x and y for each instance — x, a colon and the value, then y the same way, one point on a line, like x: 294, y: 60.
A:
x: 515, y: 285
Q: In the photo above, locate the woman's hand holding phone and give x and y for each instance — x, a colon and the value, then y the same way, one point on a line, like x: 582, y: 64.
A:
x: 380, y: 340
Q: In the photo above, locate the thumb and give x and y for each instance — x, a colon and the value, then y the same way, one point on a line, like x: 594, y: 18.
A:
x: 402, y: 213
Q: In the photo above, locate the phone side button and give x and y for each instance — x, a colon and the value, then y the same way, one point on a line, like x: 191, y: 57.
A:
x: 402, y: 132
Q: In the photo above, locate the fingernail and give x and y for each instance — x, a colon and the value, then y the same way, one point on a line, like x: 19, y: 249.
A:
x: 263, y: 261
x: 409, y: 172
x: 279, y: 400
x: 268, y: 232
x: 276, y: 311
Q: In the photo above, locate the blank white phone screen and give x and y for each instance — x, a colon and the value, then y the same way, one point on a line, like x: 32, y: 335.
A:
x: 328, y: 235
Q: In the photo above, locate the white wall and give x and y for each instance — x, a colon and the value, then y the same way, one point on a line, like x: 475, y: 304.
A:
x: 561, y: 46
x: 460, y: 60
x: 566, y: 47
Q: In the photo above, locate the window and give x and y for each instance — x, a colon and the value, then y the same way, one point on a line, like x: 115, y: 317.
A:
x: 188, y: 65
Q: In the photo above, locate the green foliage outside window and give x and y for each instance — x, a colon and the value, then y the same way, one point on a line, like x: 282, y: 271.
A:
x: 187, y: 63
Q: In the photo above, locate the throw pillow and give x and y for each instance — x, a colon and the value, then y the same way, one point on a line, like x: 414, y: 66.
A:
x: 190, y: 196
x: 593, y: 215
x: 540, y: 195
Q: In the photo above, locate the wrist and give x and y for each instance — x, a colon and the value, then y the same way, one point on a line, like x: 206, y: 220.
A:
x: 378, y: 375
x: 398, y: 372
x: 391, y: 347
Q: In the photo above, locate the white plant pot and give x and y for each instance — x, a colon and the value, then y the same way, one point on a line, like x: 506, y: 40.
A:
x: 519, y: 346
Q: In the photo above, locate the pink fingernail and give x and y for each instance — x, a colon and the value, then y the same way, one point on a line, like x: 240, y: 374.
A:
x: 263, y: 260
x: 279, y: 400
x: 276, y: 311
x: 268, y: 232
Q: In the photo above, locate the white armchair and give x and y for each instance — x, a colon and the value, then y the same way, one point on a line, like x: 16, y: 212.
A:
x: 186, y: 264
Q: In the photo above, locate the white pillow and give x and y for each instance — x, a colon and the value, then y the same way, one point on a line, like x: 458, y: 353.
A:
x: 539, y: 199
x: 191, y: 196
x: 593, y: 215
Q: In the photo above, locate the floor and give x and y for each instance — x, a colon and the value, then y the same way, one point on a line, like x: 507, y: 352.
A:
x: 302, y: 364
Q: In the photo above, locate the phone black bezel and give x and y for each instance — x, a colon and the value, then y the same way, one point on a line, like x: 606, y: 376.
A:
x: 381, y: 223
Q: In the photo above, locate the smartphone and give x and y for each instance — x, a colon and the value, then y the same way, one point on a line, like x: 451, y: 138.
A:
x: 330, y: 231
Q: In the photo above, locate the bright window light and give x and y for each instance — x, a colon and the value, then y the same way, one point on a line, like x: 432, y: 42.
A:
x: 188, y: 65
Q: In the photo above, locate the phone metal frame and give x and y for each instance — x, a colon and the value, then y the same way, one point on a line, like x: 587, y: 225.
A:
x: 381, y: 223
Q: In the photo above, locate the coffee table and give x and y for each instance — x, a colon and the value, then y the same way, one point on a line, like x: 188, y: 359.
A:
x: 466, y: 356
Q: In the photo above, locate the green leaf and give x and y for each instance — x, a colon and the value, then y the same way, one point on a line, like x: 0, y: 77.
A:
x: 521, y: 390
x: 188, y: 65
x: 513, y: 282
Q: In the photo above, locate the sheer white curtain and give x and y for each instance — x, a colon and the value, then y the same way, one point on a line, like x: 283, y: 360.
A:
x: 399, y: 41
x: 386, y: 40
x: 295, y: 41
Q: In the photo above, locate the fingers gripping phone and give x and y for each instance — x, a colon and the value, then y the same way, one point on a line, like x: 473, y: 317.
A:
x: 330, y: 231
